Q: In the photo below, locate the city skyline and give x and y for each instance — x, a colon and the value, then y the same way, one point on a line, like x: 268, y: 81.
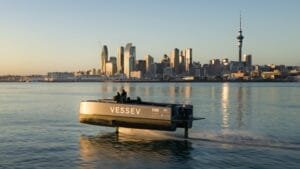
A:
x: 64, y: 36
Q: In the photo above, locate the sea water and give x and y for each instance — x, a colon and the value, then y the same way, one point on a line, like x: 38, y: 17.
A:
x: 247, y: 125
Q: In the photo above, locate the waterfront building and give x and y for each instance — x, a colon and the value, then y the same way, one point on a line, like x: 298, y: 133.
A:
x: 182, y: 59
x: 248, y: 63
x: 225, y: 68
x: 120, y: 59
x: 155, y: 67
x: 129, y: 59
x: 60, y: 76
x: 158, y: 69
x: 196, y: 69
x: 225, y: 61
x: 215, y: 68
x: 174, y: 60
x: 167, y: 73
x: 271, y: 74
x: 165, y: 61
x: 188, y: 60
x: 113, y: 60
x: 104, y: 58
x: 215, y: 62
x: 109, y: 69
x: 111, y: 66
x: 149, y: 63
x: 94, y: 71
x: 248, y: 60
x: 235, y: 66
x: 136, y: 74
x: 141, y: 66
x: 237, y: 75
x: 281, y: 68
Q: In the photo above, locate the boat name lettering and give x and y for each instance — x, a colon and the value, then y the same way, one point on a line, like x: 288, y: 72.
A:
x: 125, y: 110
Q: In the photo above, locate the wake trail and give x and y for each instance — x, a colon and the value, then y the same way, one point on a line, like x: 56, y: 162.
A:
x: 234, y: 138
x: 243, y: 138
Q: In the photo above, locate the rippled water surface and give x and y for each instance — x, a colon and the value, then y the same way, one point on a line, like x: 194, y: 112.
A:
x: 247, y: 125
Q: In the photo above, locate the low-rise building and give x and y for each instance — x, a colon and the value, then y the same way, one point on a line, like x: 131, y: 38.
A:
x: 60, y: 76
x: 136, y: 74
x: 271, y: 75
x: 237, y: 75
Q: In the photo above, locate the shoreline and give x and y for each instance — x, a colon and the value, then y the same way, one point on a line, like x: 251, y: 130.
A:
x: 163, y: 81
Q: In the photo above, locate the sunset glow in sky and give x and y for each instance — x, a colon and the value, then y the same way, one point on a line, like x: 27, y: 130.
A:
x: 40, y: 36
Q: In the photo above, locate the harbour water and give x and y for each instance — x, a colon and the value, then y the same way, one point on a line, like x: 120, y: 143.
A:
x: 247, y: 125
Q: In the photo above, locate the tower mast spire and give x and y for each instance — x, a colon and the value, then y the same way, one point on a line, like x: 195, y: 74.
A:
x: 240, y: 21
x: 240, y: 38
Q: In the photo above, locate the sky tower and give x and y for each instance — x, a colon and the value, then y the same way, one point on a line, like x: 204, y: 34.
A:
x: 240, y: 38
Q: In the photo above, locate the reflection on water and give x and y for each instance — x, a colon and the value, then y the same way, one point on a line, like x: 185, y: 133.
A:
x: 172, y: 90
x: 187, y: 91
x: 243, y: 104
x: 176, y: 93
x: 114, y: 151
x: 240, y: 105
x: 147, y: 91
x: 147, y: 149
x: 235, y: 101
x: 249, y: 125
x: 224, y: 105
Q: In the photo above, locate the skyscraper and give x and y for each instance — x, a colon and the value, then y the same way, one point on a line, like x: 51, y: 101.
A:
x: 141, y: 66
x: 149, y: 63
x: 120, y: 59
x: 182, y: 57
x: 188, y: 59
x: 240, y: 38
x: 104, y: 58
x: 182, y: 61
x: 248, y: 60
x: 174, y: 60
x: 129, y: 59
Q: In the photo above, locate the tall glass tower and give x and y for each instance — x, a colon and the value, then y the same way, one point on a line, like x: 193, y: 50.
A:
x: 188, y: 60
x: 120, y: 59
x: 129, y: 59
x: 104, y: 58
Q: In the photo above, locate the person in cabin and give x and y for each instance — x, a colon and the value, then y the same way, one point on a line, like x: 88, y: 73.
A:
x: 128, y: 100
x: 138, y: 100
x: 123, y: 96
x: 117, y: 97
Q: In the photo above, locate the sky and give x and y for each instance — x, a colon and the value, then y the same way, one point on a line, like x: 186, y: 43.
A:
x: 40, y: 36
